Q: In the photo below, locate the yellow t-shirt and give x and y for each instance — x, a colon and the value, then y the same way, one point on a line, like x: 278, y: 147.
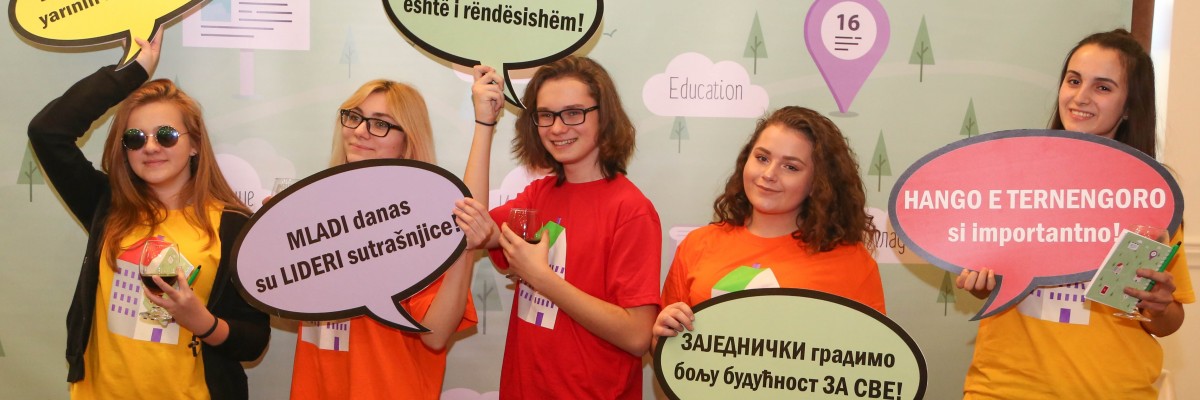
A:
x: 1057, y: 345
x: 129, y: 357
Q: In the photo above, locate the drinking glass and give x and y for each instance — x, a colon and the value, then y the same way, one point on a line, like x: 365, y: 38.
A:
x: 524, y: 222
x: 159, y: 258
x: 1158, y: 235
x: 281, y: 184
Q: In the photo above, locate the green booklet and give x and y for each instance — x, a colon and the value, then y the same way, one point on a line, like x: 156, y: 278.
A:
x: 1130, y: 253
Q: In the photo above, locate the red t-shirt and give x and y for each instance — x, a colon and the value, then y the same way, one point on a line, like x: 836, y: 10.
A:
x: 615, y: 242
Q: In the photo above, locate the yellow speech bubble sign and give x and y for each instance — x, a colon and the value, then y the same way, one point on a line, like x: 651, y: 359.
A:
x: 76, y: 23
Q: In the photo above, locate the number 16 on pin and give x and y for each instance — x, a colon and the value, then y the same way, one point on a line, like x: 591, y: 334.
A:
x: 846, y: 39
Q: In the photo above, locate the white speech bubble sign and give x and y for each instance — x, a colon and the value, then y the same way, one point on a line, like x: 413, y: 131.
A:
x: 352, y: 240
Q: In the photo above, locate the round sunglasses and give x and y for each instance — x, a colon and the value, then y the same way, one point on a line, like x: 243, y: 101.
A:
x: 135, y: 139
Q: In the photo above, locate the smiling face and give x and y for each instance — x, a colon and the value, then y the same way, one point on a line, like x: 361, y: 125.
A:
x: 575, y: 146
x: 361, y: 145
x: 1092, y: 96
x: 778, y: 175
x: 165, y: 169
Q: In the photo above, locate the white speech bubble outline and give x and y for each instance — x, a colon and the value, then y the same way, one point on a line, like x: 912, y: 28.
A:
x: 700, y: 72
x: 302, y: 307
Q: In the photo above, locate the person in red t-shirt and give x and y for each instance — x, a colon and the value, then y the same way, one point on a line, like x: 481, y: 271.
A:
x: 579, y: 318
x: 793, y: 208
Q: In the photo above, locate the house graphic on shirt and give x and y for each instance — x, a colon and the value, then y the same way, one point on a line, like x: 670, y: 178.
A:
x: 532, y: 307
x: 127, y: 301
x: 327, y: 335
x: 1065, y: 304
x: 745, y: 277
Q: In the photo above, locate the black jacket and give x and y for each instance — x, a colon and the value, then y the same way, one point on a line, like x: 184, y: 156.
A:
x: 85, y: 190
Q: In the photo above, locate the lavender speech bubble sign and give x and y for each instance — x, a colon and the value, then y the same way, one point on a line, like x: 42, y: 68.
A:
x: 1039, y: 207
x: 846, y: 38
x: 352, y: 240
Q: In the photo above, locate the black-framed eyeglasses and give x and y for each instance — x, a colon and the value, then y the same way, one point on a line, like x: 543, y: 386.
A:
x: 135, y: 139
x: 375, y: 126
x: 569, y: 117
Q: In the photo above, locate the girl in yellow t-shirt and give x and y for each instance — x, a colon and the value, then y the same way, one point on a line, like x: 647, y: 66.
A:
x: 159, y: 180
x: 1106, y: 89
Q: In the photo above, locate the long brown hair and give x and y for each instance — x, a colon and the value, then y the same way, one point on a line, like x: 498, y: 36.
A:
x: 834, y: 213
x: 406, y: 105
x: 615, y: 139
x: 133, y: 203
x: 1137, y: 130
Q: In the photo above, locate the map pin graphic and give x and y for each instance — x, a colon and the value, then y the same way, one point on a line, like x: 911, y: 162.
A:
x: 846, y: 38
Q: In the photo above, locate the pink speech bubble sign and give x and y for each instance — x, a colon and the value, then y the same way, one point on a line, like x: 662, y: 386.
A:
x: 846, y: 39
x: 1010, y: 201
x: 352, y: 240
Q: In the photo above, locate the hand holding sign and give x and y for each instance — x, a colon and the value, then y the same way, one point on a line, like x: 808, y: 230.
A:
x: 1038, y: 207
x: 342, y: 243
x: 487, y: 95
x: 74, y: 23
x: 507, y: 34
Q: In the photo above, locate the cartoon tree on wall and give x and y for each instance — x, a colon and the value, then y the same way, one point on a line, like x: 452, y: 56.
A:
x: 484, y: 289
x: 970, y: 125
x: 349, y: 52
x: 30, y: 172
x: 756, y: 46
x: 946, y: 293
x: 880, y: 165
x: 679, y: 132
x: 922, y: 52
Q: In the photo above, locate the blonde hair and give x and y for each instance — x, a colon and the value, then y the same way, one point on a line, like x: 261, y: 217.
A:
x: 406, y: 105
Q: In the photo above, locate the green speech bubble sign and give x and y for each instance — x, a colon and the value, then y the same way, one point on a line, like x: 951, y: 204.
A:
x: 507, y: 34
x: 76, y: 23
x: 790, y: 343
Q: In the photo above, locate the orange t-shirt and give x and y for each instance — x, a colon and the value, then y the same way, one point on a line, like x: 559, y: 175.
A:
x: 710, y: 254
x: 360, y: 358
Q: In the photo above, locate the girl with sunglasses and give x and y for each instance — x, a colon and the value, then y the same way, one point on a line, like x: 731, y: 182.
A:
x: 159, y: 179
x: 1030, y: 351
x: 387, y: 119
x: 587, y: 292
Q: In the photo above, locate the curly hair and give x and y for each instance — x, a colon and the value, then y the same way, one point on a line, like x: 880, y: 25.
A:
x: 1138, y: 130
x: 834, y: 213
x: 615, y: 139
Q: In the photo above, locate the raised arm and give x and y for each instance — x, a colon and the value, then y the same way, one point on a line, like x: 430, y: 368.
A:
x: 446, y: 311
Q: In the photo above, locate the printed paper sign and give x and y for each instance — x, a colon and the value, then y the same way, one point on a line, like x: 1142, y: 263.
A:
x: 1039, y: 207
x: 352, y: 240
x: 823, y: 347
x: 505, y: 34
x: 75, y: 23
x: 274, y: 25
